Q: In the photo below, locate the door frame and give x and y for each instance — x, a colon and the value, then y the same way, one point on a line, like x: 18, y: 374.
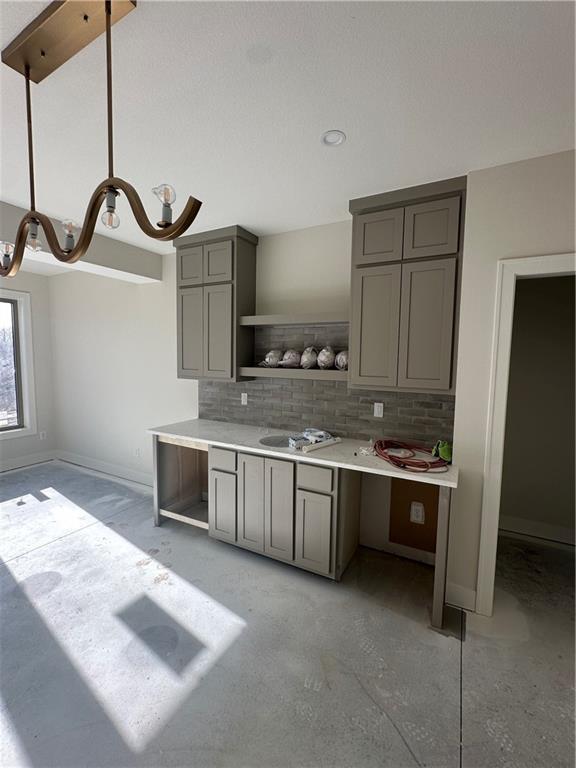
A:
x: 509, y: 271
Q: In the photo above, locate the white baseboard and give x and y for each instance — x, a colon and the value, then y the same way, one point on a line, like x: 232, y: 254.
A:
x: 27, y: 461
x: 462, y: 597
x: 116, y: 470
x: 538, y: 529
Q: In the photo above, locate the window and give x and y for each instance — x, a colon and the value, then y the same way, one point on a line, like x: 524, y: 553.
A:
x: 17, y: 406
x: 11, y: 412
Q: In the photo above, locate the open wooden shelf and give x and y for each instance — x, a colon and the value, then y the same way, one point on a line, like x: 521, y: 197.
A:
x: 295, y: 373
x: 308, y: 318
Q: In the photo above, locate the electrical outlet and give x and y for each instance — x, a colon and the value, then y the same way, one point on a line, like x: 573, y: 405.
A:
x: 244, y: 398
x: 378, y: 410
x: 138, y: 453
x: 417, y: 513
x: 42, y: 435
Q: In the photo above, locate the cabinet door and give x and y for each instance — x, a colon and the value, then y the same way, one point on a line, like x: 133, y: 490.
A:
x: 222, y: 505
x: 426, y: 323
x: 431, y: 229
x: 218, y: 262
x: 218, y: 331
x: 279, y: 509
x: 189, y: 261
x: 190, y: 332
x: 374, y: 327
x: 377, y: 237
x: 313, y: 531
x: 251, y: 502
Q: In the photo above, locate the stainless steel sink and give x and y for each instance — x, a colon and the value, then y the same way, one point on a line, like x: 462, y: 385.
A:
x: 275, y: 441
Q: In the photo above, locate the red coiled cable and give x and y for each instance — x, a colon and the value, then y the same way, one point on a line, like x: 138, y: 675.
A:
x: 409, y: 462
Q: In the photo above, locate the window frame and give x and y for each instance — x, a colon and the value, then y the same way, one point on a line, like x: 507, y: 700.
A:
x: 24, y: 359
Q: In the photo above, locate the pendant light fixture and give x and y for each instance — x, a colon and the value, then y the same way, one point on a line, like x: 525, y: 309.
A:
x: 57, y: 34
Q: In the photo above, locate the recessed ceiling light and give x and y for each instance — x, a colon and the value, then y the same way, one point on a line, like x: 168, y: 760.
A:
x: 333, y: 138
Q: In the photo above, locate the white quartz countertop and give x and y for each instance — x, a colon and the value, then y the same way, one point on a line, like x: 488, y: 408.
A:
x: 345, y: 454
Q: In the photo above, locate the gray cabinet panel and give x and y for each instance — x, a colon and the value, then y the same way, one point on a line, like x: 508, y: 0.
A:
x: 377, y: 237
x: 251, y: 502
x: 217, y: 264
x: 374, y: 326
x: 431, y: 229
x: 222, y: 505
x: 313, y: 531
x: 427, y: 317
x: 189, y: 332
x: 222, y: 458
x: 315, y: 478
x: 279, y: 509
x: 190, y: 265
x: 218, y: 331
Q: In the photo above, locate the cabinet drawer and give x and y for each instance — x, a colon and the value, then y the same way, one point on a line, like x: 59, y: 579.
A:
x: 315, y: 478
x: 431, y: 229
x: 218, y: 262
x: 221, y: 458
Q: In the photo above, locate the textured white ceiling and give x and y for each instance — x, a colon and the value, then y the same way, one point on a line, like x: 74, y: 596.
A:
x: 227, y: 101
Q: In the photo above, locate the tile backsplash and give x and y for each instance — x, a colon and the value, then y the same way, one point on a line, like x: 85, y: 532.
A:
x: 294, y: 404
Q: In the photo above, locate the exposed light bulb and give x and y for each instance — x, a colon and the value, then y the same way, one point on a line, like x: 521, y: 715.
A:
x: 32, y: 243
x: 69, y: 228
x: 110, y: 219
x: 6, y: 249
x: 165, y: 193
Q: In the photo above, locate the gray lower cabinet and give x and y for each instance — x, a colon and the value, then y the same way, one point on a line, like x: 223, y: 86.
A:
x: 217, y: 331
x: 374, y: 326
x: 313, y: 531
x: 426, y: 324
x: 222, y: 505
x: 377, y: 237
x: 251, y: 502
x: 279, y: 509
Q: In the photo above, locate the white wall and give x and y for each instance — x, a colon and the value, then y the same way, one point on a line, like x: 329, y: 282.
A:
x: 114, y: 355
x: 305, y: 270
x: 19, y: 451
x: 520, y: 209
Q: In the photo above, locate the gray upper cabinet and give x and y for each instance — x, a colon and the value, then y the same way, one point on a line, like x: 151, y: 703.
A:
x: 377, y: 237
x: 217, y: 322
x: 190, y: 337
x: 313, y: 539
x: 432, y: 228
x: 251, y: 502
x: 402, y: 317
x: 190, y: 265
x: 217, y: 266
x: 426, y: 324
x: 374, y: 326
x: 216, y: 284
x: 279, y: 509
x: 222, y: 505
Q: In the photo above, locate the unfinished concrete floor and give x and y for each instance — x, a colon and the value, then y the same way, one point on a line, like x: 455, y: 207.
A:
x: 128, y: 645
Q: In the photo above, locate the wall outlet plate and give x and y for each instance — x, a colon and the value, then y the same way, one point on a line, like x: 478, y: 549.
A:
x: 244, y: 398
x: 378, y: 410
x: 417, y: 514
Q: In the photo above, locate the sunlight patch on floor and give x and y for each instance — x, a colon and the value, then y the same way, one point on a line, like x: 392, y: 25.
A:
x: 140, y: 636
